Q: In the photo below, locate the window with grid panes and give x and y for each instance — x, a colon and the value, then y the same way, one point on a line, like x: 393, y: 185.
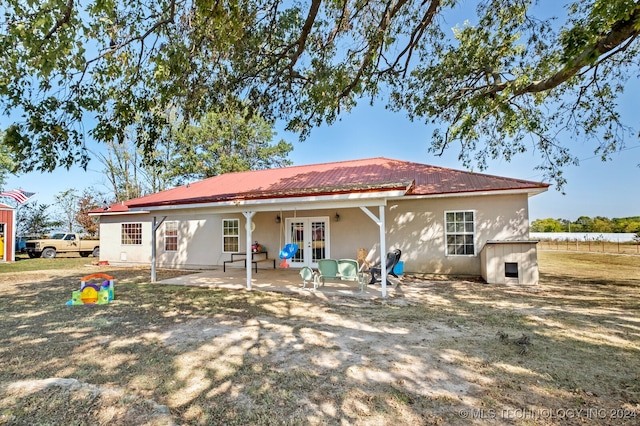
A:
x: 230, y: 235
x: 171, y: 236
x: 460, y: 232
x: 131, y: 234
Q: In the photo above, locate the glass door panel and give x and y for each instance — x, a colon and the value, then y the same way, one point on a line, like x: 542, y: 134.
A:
x: 318, y: 241
x: 297, y: 237
x: 311, y: 235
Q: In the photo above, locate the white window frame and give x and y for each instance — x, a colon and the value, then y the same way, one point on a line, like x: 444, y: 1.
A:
x: 122, y: 233
x: 457, y: 232
x: 225, y: 235
x: 167, y: 238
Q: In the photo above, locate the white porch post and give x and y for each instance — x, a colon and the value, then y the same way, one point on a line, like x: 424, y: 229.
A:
x: 383, y: 252
x: 383, y: 244
x: 154, y: 228
x: 248, y: 216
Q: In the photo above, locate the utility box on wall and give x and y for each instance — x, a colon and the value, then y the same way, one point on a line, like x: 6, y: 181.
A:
x: 510, y: 262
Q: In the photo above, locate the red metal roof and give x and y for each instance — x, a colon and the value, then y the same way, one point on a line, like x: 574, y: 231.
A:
x: 357, y: 176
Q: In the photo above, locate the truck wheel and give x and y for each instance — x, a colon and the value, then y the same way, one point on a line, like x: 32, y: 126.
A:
x: 96, y: 252
x: 49, y: 253
x: 85, y: 253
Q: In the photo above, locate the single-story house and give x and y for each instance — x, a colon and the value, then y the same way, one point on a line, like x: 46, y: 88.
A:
x: 444, y: 221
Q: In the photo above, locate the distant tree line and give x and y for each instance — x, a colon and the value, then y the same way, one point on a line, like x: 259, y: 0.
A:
x: 588, y: 224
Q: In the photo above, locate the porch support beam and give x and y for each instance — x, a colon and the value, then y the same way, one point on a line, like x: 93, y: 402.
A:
x: 383, y: 252
x: 380, y: 221
x: 155, y: 226
x: 249, y: 216
x: 274, y: 204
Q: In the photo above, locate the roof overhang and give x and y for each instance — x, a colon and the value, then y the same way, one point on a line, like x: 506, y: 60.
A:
x: 529, y: 191
x: 116, y: 213
x: 357, y: 199
x: 314, y: 202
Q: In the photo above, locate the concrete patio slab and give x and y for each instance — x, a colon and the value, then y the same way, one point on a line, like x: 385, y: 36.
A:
x: 279, y: 280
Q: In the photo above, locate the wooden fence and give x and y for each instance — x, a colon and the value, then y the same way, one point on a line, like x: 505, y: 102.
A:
x: 591, y: 246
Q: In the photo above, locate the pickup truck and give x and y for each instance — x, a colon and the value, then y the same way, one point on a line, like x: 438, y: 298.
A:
x: 62, y: 243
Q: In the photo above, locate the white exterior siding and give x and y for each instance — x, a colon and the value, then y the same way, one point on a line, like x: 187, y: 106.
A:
x: 111, y: 247
x: 199, y: 240
x: 415, y: 226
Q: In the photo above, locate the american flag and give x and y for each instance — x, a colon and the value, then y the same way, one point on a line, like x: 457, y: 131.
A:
x: 18, y: 194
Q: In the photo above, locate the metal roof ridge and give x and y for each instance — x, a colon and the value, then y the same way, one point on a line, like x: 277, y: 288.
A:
x: 294, y: 166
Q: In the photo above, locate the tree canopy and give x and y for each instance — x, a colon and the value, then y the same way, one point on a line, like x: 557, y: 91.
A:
x: 506, y: 79
x: 6, y: 164
x: 33, y: 219
x: 231, y: 141
x: 223, y: 142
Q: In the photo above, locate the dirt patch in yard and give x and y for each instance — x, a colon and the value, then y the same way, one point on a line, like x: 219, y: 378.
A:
x: 439, y: 352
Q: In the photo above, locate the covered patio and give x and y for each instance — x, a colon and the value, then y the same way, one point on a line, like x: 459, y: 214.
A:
x: 278, y: 280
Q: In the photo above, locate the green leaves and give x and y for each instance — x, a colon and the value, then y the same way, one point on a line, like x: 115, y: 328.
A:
x: 223, y: 142
x: 513, y: 82
x: 505, y: 81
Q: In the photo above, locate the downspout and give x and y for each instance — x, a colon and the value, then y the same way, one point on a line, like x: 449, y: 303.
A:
x: 249, y: 231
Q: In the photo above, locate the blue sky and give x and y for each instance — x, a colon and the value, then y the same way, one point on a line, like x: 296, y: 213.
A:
x: 594, y: 188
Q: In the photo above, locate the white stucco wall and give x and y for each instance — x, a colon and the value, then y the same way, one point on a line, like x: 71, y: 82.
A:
x: 415, y: 226
x: 116, y: 253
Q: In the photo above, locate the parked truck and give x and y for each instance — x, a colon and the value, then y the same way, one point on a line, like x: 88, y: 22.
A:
x: 62, y: 243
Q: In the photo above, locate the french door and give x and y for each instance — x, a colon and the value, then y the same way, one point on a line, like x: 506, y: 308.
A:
x: 311, y: 234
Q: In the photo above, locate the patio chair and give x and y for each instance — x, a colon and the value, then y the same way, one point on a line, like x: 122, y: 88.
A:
x: 308, y: 275
x: 340, y: 270
x: 328, y: 270
x: 393, y: 257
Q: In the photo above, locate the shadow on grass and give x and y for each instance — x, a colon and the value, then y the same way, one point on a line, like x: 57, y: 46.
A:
x: 238, y: 357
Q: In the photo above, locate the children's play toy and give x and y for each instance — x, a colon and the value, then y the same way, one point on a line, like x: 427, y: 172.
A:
x: 91, y: 293
x: 287, y: 252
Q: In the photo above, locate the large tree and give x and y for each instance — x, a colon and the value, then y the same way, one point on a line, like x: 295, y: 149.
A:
x: 507, y: 79
x: 89, y: 200
x: 67, y: 203
x: 34, y: 220
x: 6, y: 164
x: 122, y: 168
x: 230, y: 141
x: 221, y: 142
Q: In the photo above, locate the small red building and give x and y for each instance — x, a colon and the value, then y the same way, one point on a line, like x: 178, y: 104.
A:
x: 7, y: 233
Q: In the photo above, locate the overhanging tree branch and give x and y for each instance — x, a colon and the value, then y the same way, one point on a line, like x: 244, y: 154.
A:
x: 621, y: 32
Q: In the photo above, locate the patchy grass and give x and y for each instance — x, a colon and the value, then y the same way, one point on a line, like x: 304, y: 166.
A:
x: 61, y: 262
x: 442, y: 352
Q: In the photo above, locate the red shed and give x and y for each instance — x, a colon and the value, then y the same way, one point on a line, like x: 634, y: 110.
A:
x: 7, y: 233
